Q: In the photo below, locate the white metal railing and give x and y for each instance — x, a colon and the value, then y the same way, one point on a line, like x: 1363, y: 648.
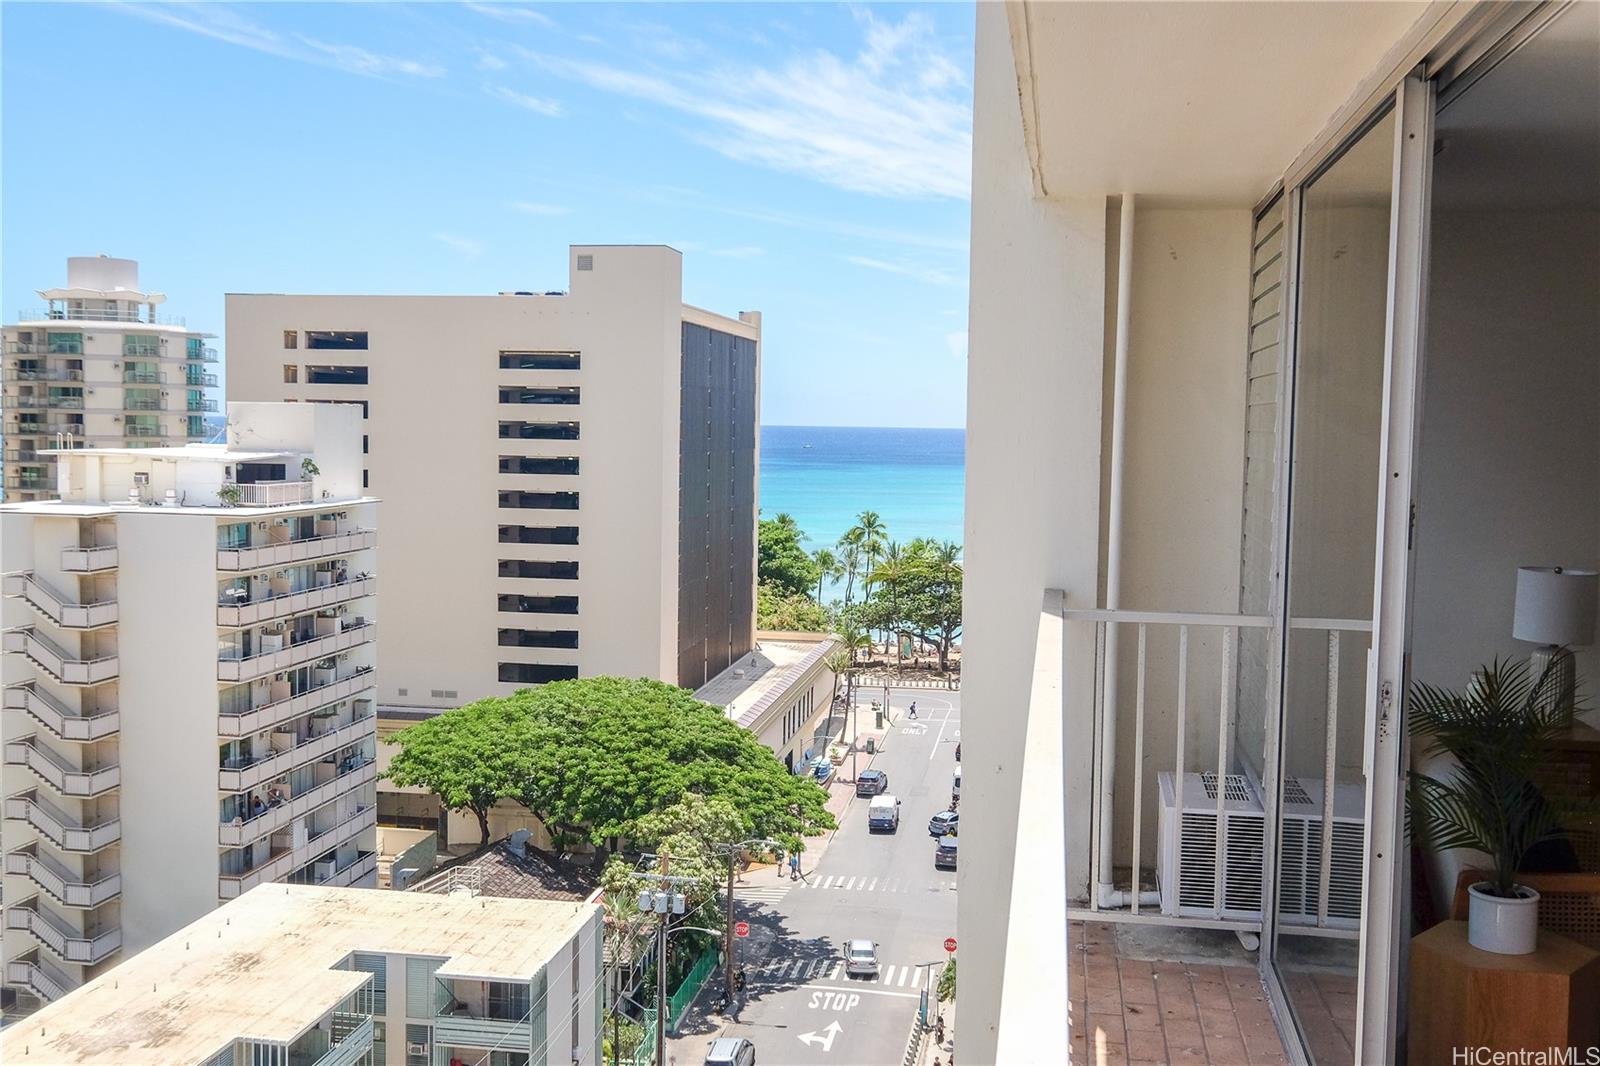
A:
x: 56, y: 607
x: 60, y: 936
x: 281, y: 865
x: 50, y: 374
x: 61, y: 720
x: 61, y: 883
x: 289, y: 603
x: 363, y: 864
x: 60, y: 774
x: 273, y: 662
x: 58, y: 663
x: 248, y: 775
x: 296, y: 551
x: 40, y: 978
x: 60, y: 829
x: 276, y: 817
x: 1032, y: 1024
x: 257, y: 719
x: 1228, y: 627
x: 352, y: 1049
x: 273, y: 493
x: 89, y: 560
x: 98, y: 314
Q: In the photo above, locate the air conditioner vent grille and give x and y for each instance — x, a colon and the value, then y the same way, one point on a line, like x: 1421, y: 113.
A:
x: 1238, y: 789
x: 1293, y: 793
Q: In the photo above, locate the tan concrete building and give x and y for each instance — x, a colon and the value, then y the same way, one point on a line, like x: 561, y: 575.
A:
x: 782, y: 692
x: 99, y: 366
x: 292, y: 974
x: 190, y: 644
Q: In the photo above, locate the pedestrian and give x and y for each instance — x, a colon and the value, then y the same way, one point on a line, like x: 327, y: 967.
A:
x: 794, y: 867
x: 913, y: 709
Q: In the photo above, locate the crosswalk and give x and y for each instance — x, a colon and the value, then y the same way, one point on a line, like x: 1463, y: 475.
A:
x: 764, y: 892
x: 867, y: 883
x: 807, y: 971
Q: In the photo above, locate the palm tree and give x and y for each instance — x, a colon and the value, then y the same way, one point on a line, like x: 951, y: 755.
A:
x: 889, y: 573
x: 827, y: 569
x: 786, y: 520
x: 874, y: 536
x: 850, y: 558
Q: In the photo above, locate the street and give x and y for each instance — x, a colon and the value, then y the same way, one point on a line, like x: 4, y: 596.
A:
x: 800, y: 1005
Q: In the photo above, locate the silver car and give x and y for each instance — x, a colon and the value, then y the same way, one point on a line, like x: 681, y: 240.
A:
x: 861, y: 958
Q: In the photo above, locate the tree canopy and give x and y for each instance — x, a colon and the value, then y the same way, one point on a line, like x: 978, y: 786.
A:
x: 780, y: 559
x: 792, y: 611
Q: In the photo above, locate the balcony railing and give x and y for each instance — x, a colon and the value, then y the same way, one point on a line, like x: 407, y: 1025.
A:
x: 306, y: 550
x: 364, y: 864
x: 310, y: 701
x: 273, y: 662
x: 97, y: 314
x: 274, y: 493
x: 62, y: 830
x: 286, y: 862
x: 43, y: 374
x: 144, y: 377
x: 59, y: 719
x: 56, y: 607
x: 357, y: 1043
x: 1033, y: 996
x: 133, y: 429
x: 142, y: 403
x: 60, y: 664
x: 238, y: 775
x: 89, y: 560
x: 30, y: 484
x: 25, y: 455
x: 202, y: 405
x: 40, y: 978
x: 202, y: 355
x: 142, y: 349
x: 60, y: 937
x: 68, y: 403
x: 281, y: 814
x: 63, y: 885
x: 200, y: 381
x: 462, y: 1030
x: 59, y: 773
x: 291, y: 603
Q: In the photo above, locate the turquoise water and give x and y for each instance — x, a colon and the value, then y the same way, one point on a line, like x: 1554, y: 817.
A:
x: 826, y: 476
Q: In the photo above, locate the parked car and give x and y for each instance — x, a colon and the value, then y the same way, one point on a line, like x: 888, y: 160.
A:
x: 943, y: 824
x: 731, y: 1051
x: 944, y: 853
x: 883, y: 813
x: 861, y: 958
x: 872, y: 783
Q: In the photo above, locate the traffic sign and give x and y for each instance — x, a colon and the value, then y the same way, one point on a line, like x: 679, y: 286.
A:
x: 949, y: 943
x: 741, y: 928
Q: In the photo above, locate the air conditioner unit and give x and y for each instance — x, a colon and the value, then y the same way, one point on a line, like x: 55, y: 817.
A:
x: 1187, y: 867
x: 1300, y: 861
x: 416, y: 1049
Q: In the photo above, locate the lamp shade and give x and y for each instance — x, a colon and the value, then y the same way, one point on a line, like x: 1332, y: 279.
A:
x: 1555, y: 605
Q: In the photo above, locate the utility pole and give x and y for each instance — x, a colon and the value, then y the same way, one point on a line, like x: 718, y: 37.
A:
x: 727, y: 962
x: 661, y: 973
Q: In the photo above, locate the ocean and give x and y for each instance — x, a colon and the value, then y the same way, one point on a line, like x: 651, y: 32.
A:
x: 827, y: 475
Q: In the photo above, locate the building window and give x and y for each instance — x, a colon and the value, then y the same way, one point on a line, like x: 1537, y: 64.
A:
x: 291, y: 373
x: 363, y: 479
x: 359, y: 403
x: 535, y: 673
x: 515, y: 604
x: 336, y: 375
x: 538, y: 568
x: 378, y: 967
x: 538, y: 464
x: 341, y: 339
x: 539, y: 430
x: 363, y: 444
x: 551, y: 394
x: 540, y: 501
x: 291, y: 338
x: 538, y: 638
x: 539, y: 360
x: 538, y: 534
x: 419, y: 1042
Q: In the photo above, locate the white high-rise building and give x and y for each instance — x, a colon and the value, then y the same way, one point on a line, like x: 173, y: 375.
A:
x: 98, y: 366
x: 189, y: 637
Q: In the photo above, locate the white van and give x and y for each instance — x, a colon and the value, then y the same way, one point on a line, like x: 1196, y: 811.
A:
x: 883, y: 813
x: 955, y: 786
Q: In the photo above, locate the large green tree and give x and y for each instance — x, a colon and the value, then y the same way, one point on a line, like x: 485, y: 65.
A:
x: 779, y: 609
x: 468, y: 757
x: 780, y: 559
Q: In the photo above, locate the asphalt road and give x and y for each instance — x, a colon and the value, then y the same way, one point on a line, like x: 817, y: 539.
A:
x: 800, y: 1007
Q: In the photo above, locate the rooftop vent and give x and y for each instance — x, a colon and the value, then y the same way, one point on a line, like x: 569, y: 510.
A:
x: 585, y: 262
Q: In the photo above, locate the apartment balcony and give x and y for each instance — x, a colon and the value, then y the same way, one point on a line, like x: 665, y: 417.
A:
x: 57, y: 607
x: 259, y: 719
x: 282, y: 864
x: 292, y: 603
x: 59, y: 773
x: 142, y: 349
x: 142, y: 403
x: 352, y: 1049
x: 307, y: 550
x: 40, y: 978
x: 200, y: 381
x: 47, y: 374
x: 274, y: 493
x: 25, y: 455
x: 89, y: 560
x: 144, y: 377
x: 272, y: 662
x: 463, y: 1030
x: 236, y: 775
x: 202, y: 405
x: 201, y: 355
x: 282, y: 814
x: 62, y: 403
x: 60, y: 937
x: 135, y: 430
x: 97, y: 314
x: 59, y: 719
x: 364, y: 865
x: 25, y: 483
x: 61, y: 665
x: 61, y: 884
x: 62, y: 830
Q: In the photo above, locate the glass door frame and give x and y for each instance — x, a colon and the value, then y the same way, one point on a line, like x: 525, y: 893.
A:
x: 1384, y: 740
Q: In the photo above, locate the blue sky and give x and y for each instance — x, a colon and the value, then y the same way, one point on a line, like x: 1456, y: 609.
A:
x: 810, y: 161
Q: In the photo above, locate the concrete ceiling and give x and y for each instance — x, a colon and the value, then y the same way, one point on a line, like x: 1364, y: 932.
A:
x: 1196, y: 102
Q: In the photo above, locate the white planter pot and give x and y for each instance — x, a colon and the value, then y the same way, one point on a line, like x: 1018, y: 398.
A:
x: 1503, y: 926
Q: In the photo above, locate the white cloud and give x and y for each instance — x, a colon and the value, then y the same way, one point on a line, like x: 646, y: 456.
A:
x: 893, y: 121
x: 221, y: 23
x: 529, y: 208
x: 465, y: 246
x: 930, y: 275
x: 489, y: 61
x: 511, y: 13
x: 957, y: 343
x: 537, y: 104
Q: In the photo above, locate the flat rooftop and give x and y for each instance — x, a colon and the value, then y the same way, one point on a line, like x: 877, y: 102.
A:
x: 759, y: 678
x: 241, y: 511
x: 260, y: 968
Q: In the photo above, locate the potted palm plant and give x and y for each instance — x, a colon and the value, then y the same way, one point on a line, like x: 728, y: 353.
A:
x: 1498, y: 732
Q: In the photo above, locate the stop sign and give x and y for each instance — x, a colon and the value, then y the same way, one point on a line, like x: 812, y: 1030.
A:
x: 949, y: 943
x: 741, y: 928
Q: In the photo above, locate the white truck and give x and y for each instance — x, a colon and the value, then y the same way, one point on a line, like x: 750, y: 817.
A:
x: 883, y: 813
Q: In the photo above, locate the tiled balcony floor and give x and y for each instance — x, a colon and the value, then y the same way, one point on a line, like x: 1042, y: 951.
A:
x: 1142, y: 996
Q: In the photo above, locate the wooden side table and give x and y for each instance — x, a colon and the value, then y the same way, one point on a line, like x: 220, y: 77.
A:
x: 1465, y: 998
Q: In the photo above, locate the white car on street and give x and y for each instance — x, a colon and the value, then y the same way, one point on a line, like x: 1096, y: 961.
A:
x: 861, y: 958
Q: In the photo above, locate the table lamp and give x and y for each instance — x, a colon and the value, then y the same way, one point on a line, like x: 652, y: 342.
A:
x: 1556, y: 608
